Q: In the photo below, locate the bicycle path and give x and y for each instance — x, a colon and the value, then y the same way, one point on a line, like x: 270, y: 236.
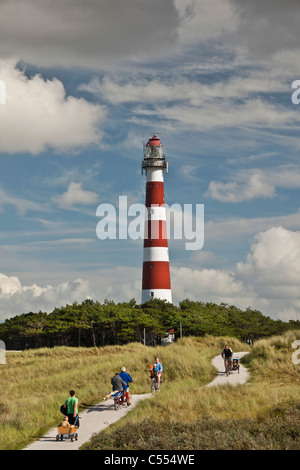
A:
x: 234, y: 378
x: 92, y: 421
x: 103, y: 414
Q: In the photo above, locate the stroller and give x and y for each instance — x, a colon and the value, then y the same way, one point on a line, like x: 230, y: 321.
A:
x: 236, y: 364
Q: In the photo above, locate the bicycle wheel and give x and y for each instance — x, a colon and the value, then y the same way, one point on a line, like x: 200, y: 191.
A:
x: 153, y: 386
x: 116, y: 404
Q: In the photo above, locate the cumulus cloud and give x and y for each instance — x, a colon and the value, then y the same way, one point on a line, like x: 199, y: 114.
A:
x: 273, y: 269
x: 274, y: 262
x: 75, y: 195
x: 17, y: 298
x: 210, y: 285
x: 38, y: 115
x: 268, y: 280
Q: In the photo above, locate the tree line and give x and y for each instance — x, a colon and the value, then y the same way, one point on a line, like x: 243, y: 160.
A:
x: 94, y: 324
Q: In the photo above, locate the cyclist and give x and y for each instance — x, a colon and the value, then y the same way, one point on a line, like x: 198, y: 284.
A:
x: 158, y: 371
x: 227, y: 356
x: 127, y: 379
x: 118, y: 384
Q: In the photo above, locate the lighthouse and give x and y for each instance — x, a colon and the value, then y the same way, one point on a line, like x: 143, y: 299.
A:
x: 156, y: 270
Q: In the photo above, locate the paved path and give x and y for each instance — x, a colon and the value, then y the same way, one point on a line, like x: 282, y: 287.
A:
x: 103, y: 414
x: 233, y: 379
x: 92, y: 421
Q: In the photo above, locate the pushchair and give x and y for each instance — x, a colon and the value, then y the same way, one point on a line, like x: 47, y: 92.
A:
x: 236, y: 364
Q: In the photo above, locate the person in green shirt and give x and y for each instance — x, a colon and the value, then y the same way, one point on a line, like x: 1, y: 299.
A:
x: 71, y: 404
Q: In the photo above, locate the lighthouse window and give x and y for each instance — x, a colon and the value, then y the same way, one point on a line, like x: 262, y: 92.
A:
x: 152, y: 266
x: 152, y: 294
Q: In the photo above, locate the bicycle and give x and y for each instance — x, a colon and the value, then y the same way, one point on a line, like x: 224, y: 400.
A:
x: 118, y: 400
x: 154, y: 384
x: 121, y: 399
x: 228, y: 366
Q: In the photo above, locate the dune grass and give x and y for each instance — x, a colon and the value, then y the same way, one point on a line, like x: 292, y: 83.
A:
x: 35, y: 383
x: 263, y: 414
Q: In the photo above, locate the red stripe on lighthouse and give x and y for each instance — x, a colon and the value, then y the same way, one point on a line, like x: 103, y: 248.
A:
x: 156, y: 275
x: 155, y: 233
x: 155, y: 193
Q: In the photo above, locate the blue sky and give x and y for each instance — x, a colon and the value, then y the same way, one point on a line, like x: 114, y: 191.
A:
x: 85, y: 85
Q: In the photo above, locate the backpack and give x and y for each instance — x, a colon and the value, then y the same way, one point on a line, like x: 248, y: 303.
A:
x: 152, y: 370
x: 64, y: 410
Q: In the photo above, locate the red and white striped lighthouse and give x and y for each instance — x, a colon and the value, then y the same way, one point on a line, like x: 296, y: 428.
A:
x: 156, y: 270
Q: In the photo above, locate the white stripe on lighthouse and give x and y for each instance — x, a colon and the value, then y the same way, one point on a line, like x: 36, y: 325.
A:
x: 155, y: 175
x: 156, y: 253
x: 163, y: 294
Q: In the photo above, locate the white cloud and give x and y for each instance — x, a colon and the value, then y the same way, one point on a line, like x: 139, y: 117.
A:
x: 255, y: 183
x: 9, y: 285
x: 274, y: 262
x: 75, y: 195
x: 255, y: 187
x: 38, y: 115
x: 145, y: 90
x: 273, y: 269
x: 209, y: 285
x: 16, y: 298
x: 268, y: 280
x: 225, y: 113
x: 234, y: 102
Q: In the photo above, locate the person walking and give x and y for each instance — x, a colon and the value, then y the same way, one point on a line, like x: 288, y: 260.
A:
x: 71, y: 404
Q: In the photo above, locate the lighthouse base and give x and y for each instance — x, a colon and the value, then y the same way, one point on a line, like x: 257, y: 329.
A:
x: 162, y: 294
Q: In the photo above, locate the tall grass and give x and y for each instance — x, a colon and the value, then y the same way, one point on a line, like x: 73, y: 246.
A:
x: 35, y: 383
x: 263, y: 414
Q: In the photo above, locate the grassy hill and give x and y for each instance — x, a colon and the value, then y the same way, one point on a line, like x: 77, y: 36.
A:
x: 186, y: 415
